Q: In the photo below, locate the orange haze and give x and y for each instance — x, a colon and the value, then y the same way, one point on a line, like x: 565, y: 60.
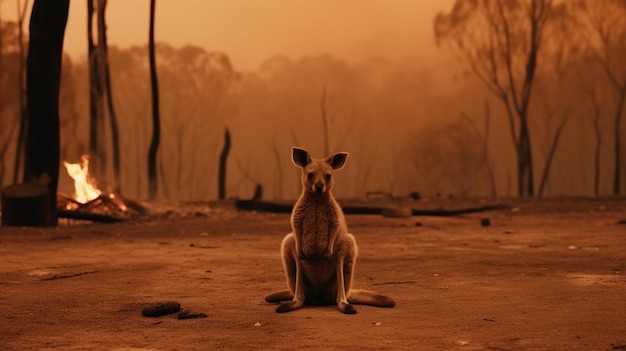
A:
x: 251, y: 31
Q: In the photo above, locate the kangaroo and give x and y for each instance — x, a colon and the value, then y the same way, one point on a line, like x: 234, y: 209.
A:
x: 319, y: 254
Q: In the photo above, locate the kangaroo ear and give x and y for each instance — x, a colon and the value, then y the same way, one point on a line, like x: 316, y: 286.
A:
x: 300, y: 157
x: 338, y: 160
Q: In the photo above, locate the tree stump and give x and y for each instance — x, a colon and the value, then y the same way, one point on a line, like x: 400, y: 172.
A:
x: 25, y: 204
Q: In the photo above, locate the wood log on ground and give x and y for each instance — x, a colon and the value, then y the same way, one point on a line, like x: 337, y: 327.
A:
x: 104, y: 208
x: 26, y: 204
x: 274, y: 207
x: 89, y: 216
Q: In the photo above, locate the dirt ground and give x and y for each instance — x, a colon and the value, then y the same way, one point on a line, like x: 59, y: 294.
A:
x: 545, y: 275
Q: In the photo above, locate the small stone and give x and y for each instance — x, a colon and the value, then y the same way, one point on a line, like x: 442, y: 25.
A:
x: 185, y: 314
x: 485, y: 222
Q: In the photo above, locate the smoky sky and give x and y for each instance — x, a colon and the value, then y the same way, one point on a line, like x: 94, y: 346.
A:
x: 251, y: 31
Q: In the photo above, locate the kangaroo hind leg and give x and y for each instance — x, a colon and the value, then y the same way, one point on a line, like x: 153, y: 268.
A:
x: 342, y: 284
x: 366, y: 297
x: 295, y: 295
x: 345, y: 272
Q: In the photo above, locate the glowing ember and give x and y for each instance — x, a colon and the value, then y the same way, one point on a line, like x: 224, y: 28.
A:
x: 84, y: 186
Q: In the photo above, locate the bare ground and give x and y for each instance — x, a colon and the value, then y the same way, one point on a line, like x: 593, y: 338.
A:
x: 546, y: 275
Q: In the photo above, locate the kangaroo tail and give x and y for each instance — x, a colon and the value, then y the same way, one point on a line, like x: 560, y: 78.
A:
x: 366, y: 297
x: 278, y: 296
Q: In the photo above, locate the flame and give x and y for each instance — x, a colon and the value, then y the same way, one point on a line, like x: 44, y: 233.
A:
x: 84, y: 186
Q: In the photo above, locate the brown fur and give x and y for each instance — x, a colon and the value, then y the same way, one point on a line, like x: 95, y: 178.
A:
x: 319, y: 254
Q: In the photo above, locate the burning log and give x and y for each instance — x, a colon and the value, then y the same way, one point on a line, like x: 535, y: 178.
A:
x: 104, y: 208
x: 89, y: 203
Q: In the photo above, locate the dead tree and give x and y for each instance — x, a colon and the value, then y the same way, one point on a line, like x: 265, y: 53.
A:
x: 105, y: 80
x: 324, y: 122
x: 500, y: 41
x: 597, y: 133
x: 23, y: 122
x: 604, y: 22
x: 221, y: 178
x: 156, y: 125
x: 43, y: 80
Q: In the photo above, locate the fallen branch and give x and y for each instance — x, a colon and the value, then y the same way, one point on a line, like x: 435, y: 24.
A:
x: 64, y: 276
x: 89, y: 216
x: 273, y: 207
x: 460, y: 211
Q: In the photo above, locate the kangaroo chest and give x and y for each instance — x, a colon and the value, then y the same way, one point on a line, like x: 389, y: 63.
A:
x: 318, y: 226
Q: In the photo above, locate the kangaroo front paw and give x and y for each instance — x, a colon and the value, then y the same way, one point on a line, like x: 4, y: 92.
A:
x: 289, y: 306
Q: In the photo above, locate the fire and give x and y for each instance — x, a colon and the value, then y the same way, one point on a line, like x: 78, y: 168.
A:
x: 84, y: 186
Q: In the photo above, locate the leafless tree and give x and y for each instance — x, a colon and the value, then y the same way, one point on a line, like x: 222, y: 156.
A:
x: 604, y: 23
x: 96, y: 106
x: 105, y: 79
x: 156, y: 124
x: 221, y: 179
x: 23, y: 124
x: 597, y: 132
x: 325, y: 122
x: 47, y: 30
x: 100, y: 89
x: 500, y: 41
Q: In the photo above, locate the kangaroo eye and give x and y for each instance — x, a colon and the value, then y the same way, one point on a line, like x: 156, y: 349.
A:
x: 309, y: 176
x: 328, y: 176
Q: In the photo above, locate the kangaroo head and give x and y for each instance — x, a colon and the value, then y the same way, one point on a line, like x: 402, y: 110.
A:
x: 317, y: 173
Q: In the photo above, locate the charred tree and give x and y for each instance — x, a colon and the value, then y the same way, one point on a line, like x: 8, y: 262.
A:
x: 551, y: 152
x: 604, y: 22
x: 500, y: 41
x: 95, y: 94
x: 324, y: 122
x: 597, y: 132
x: 43, y: 80
x: 156, y: 125
x: 23, y: 121
x: 221, y: 178
x: 105, y: 79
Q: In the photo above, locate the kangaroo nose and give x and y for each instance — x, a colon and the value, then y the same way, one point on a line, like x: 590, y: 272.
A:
x: 319, y: 188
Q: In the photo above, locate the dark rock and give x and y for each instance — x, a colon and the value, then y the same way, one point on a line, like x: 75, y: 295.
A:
x: 185, y: 314
x: 485, y: 222
x: 161, y: 309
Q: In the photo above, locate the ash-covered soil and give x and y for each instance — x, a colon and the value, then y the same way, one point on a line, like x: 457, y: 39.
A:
x: 544, y: 275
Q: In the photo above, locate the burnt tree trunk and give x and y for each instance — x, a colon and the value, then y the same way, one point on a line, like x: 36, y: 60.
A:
x: 23, y: 121
x: 551, y: 152
x: 95, y: 96
x: 156, y: 125
x: 105, y: 77
x: 617, y: 136
x: 43, y: 80
x: 221, y: 178
x: 25, y: 204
